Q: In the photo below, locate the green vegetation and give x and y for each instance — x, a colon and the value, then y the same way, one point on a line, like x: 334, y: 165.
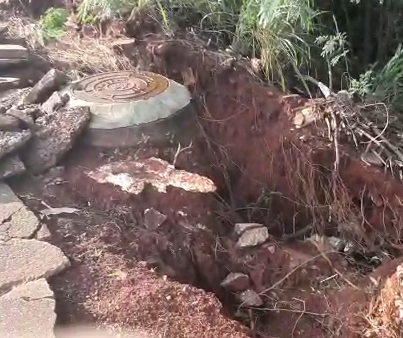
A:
x: 52, y: 24
x: 346, y: 44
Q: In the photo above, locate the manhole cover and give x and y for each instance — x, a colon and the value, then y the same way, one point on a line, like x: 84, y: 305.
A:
x: 121, y: 86
x: 128, y: 106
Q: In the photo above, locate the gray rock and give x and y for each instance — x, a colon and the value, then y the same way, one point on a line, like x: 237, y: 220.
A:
x: 22, y: 224
x: 28, y: 311
x: 153, y: 218
x: 250, y: 298
x: 55, y: 102
x: 13, y: 97
x: 11, y: 165
x: 23, y: 117
x: 251, y: 234
x: 49, y: 145
x: 9, y: 123
x: 43, y: 233
x: 49, y: 83
x: 26, y: 260
x: 11, y: 141
x: 9, y: 203
x: 236, y: 282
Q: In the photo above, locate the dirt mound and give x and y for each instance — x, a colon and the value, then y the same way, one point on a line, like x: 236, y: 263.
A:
x: 165, y: 307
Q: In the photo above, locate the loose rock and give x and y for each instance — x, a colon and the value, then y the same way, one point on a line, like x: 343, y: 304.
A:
x: 43, y: 233
x: 251, y: 234
x: 13, y: 97
x: 153, y: 218
x: 28, y: 259
x: 11, y: 141
x: 49, y: 145
x: 11, y: 165
x: 28, y: 311
x: 54, y: 103
x: 9, y: 123
x: 51, y: 81
x: 236, y: 282
x: 23, y: 117
x: 250, y: 298
x: 133, y: 176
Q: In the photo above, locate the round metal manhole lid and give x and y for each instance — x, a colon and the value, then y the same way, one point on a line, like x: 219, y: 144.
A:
x: 119, y: 86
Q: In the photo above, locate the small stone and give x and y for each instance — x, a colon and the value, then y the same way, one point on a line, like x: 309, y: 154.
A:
x: 54, y: 103
x: 250, y: 298
x: 28, y: 259
x: 11, y: 165
x: 153, y: 218
x: 11, y: 141
x: 43, y: 233
x: 251, y: 234
x: 50, y: 82
x: 9, y: 123
x: 28, y: 311
x: 236, y: 282
x: 51, y: 143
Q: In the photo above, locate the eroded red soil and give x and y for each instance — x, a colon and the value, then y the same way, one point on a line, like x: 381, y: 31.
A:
x: 266, y: 173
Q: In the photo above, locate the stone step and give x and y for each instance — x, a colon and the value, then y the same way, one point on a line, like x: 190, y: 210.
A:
x: 13, y: 52
x: 6, y: 62
x: 7, y: 83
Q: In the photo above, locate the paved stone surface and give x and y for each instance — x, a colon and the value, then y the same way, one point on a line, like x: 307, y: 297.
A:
x: 28, y: 311
x: 16, y: 221
x: 23, y: 224
x: 26, y: 260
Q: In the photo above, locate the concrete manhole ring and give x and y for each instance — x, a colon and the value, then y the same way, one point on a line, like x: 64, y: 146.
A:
x: 128, y: 106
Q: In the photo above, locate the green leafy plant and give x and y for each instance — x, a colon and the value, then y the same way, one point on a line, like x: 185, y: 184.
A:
x: 52, y: 24
x: 90, y: 11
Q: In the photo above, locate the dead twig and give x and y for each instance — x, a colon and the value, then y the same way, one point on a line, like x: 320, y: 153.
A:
x: 180, y: 150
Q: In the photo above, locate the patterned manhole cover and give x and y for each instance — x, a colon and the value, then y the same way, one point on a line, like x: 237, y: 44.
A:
x: 120, y: 86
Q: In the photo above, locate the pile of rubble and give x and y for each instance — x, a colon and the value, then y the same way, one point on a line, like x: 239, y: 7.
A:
x: 35, y: 132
